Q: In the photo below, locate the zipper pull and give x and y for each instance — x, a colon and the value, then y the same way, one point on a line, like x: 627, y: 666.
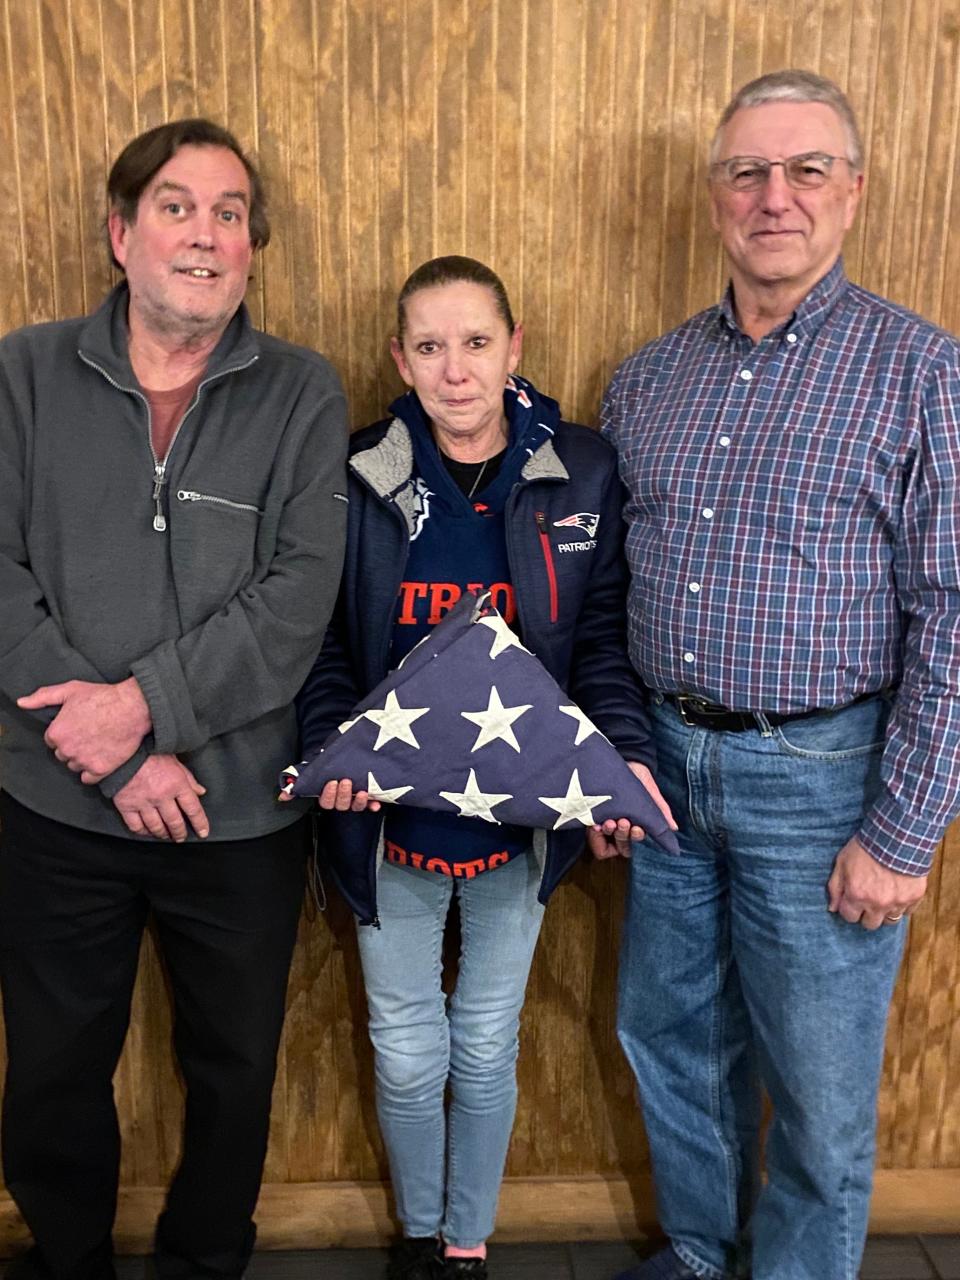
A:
x: 159, y: 480
x: 541, y: 520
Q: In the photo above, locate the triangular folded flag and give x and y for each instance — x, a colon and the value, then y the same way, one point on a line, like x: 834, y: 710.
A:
x: 472, y: 723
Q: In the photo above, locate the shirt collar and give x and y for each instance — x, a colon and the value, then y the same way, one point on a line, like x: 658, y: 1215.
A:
x: 809, y: 316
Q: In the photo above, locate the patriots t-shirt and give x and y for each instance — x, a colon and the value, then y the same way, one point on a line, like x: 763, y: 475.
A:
x: 460, y: 546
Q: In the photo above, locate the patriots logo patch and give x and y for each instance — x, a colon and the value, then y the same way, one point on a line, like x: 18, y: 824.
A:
x: 585, y: 520
x: 420, y: 508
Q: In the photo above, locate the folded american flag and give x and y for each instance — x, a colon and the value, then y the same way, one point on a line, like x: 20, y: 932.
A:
x: 472, y: 723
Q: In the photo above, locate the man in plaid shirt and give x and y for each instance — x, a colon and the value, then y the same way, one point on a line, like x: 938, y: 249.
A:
x: 792, y: 458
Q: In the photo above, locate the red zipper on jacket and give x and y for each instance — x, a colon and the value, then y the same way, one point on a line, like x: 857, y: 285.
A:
x: 548, y: 560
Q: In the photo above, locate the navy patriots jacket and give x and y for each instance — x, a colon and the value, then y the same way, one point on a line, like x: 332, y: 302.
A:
x: 565, y: 548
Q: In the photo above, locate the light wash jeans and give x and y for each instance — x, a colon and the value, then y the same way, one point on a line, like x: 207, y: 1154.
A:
x: 447, y: 1170
x: 734, y: 973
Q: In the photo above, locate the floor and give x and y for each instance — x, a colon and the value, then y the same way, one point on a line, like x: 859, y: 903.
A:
x: 887, y: 1258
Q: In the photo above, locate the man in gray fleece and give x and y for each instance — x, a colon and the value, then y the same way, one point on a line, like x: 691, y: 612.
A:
x: 172, y: 515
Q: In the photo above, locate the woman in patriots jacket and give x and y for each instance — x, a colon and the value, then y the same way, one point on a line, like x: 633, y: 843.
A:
x: 475, y: 482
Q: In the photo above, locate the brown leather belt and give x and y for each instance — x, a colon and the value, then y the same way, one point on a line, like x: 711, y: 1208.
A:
x: 698, y: 713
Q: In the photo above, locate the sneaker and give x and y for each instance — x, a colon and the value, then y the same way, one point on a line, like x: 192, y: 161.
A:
x: 664, y: 1265
x: 415, y: 1258
x: 464, y: 1269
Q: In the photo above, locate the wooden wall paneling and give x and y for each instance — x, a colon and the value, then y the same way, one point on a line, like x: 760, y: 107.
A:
x: 947, y: 1152
x: 13, y: 258
x: 94, y: 154
x: 943, y: 169
x: 654, y: 170
x: 623, y: 249
x: 880, y: 225
x: 860, y: 41
x: 748, y: 21
x: 57, y: 158
x: 923, y: 164
x: 684, y: 170
x: 450, y: 110
x: 543, y: 348
x: 940, y: 1017
x: 564, y: 142
x: 393, y: 188
x: 704, y: 262
x: 241, y: 109
x: 147, y: 1084
x: 915, y: 994
x: 39, y: 276
x: 596, y: 91
x: 117, y: 87
x: 303, y: 1131
x: 910, y: 151
x: 508, y: 71
x: 289, y: 151
x: 362, y: 125
x: 478, y: 132
x: 567, y: 108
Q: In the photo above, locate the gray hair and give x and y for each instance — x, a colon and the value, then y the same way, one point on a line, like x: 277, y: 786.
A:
x: 795, y: 86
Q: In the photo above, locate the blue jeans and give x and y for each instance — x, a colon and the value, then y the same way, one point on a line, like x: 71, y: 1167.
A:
x: 447, y: 1170
x: 734, y: 975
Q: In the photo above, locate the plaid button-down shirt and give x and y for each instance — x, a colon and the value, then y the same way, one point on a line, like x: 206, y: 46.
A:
x: 794, y: 529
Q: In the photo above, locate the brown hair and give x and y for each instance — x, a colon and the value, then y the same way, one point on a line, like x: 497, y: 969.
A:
x: 140, y: 159
x: 452, y: 269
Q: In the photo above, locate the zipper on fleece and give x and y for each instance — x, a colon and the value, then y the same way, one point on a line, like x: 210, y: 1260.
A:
x: 547, y: 550
x: 191, y: 495
x: 160, y: 468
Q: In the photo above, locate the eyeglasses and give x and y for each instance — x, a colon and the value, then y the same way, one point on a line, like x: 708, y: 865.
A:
x: 749, y: 173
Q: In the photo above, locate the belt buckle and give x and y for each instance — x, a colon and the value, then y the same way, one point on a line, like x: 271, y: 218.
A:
x: 697, y: 704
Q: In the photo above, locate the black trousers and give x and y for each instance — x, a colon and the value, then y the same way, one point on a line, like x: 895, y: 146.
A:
x: 73, y: 906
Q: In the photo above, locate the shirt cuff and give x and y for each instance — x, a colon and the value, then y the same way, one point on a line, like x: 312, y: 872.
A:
x: 897, y: 840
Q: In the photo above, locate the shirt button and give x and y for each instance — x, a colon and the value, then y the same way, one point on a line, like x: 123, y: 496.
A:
x: 688, y: 657
x: 694, y: 587
x: 791, y: 338
x: 724, y: 442
x: 707, y: 513
x: 746, y: 375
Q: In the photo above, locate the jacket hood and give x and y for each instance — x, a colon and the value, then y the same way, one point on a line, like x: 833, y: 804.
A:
x: 104, y: 339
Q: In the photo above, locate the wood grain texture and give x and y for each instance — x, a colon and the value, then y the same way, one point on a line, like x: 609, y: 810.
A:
x: 358, y: 1214
x: 563, y: 141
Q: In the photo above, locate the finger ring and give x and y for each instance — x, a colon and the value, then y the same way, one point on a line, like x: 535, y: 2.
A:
x: 894, y: 918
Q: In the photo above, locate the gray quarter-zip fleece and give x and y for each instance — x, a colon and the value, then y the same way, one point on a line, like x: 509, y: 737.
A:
x: 210, y: 577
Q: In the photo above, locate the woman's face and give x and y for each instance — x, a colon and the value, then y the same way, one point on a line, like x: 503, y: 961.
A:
x: 457, y: 354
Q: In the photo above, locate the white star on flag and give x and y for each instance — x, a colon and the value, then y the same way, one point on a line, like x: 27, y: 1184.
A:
x: 496, y: 722
x: 585, y: 725
x: 503, y: 637
x: 347, y: 724
x: 394, y: 721
x: 574, y: 806
x: 474, y: 803
x: 389, y: 795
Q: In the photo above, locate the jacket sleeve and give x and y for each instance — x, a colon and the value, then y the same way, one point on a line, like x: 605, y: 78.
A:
x: 330, y: 691
x: 34, y: 650
x: 250, y: 657
x: 602, y: 678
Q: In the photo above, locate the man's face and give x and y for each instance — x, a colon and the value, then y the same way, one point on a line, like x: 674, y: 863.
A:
x: 187, y: 254
x: 776, y: 234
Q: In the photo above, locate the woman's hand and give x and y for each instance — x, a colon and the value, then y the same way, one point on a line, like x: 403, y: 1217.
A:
x: 614, y: 837
x: 342, y: 797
